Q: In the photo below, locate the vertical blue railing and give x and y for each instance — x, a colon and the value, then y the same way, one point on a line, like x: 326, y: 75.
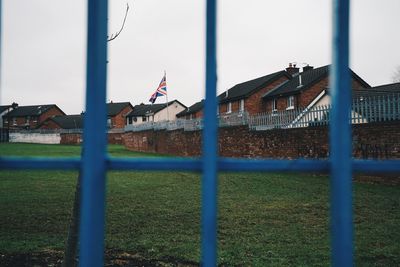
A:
x: 94, y: 137
x: 209, y: 189
x: 340, y: 140
x: 94, y: 162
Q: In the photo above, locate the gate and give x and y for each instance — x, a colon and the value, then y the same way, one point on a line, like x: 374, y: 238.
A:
x: 95, y: 162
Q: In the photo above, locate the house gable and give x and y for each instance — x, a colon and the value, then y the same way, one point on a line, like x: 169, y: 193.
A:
x: 303, y: 88
x: 30, y: 116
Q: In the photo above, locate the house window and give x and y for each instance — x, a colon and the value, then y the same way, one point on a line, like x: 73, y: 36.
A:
x: 134, y: 119
x: 128, y: 120
x: 109, y: 122
x: 14, y: 121
x: 229, y: 108
x: 241, y: 105
x: 27, y: 118
x: 274, y: 105
x: 290, y: 102
x: 144, y: 118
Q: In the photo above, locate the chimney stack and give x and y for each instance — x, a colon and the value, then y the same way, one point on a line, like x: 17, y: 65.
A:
x: 308, y: 67
x: 292, y: 70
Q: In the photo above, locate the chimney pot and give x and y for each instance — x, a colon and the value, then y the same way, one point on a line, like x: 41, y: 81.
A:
x: 307, y: 68
x: 292, y: 70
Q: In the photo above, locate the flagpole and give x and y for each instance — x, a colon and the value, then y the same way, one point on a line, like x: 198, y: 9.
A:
x: 166, y: 95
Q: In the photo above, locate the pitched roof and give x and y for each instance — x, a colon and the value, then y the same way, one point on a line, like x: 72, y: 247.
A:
x: 386, y: 89
x: 115, y: 108
x: 308, y: 79
x: 68, y: 121
x: 37, y: 110
x: 4, y: 108
x: 142, y: 109
x: 245, y: 89
x: 192, y: 109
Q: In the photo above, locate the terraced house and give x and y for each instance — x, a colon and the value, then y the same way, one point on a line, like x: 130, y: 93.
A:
x: 154, y: 113
x: 247, y: 96
x: 305, y: 89
x: 116, y: 114
x: 29, y: 117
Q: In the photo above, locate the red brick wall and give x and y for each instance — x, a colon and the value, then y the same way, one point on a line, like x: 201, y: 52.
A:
x: 373, y: 140
x: 49, y: 113
x: 254, y: 103
x: 50, y: 125
x: 71, y: 139
x: 115, y: 138
x: 119, y: 120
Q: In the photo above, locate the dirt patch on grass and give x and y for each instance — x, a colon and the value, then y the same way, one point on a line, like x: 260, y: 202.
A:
x: 384, y: 179
x: 112, y: 259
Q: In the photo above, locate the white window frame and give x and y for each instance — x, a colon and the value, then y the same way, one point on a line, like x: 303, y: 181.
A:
x: 229, y: 107
x: 241, y: 105
x: 290, y: 102
x: 274, y: 105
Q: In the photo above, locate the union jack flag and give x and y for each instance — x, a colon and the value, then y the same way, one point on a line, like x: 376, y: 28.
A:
x: 161, y: 90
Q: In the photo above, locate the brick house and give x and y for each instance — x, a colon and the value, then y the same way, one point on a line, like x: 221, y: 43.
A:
x: 154, y: 112
x: 63, y: 122
x: 247, y: 96
x: 195, y: 111
x: 116, y: 114
x: 29, y: 117
x: 6, y: 109
x: 304, y: 89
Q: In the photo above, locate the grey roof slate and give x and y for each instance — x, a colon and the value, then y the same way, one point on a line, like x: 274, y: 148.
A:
x: 142, y: 109
x: 69, y: 121
x: 243, y: 90
x: 115, y: 108
x: 4, y: 108
x: 381, y: 90
x: 192, y: 109
x: 308, y: 78
x: 22, y: 111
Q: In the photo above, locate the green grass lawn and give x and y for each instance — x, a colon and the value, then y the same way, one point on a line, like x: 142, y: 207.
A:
x: 264, y: 219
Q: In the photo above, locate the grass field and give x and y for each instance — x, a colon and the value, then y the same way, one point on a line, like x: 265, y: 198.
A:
x: 264, y: 219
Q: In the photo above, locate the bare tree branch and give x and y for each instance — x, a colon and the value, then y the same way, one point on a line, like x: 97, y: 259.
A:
x: 114, y: 36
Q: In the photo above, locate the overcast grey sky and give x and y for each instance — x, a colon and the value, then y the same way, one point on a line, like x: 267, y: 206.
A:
x: 44, y: 46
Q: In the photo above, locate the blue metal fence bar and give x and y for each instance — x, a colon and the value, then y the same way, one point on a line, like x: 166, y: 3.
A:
x: 209, y: 181
x: 340, y: 140
x: 37, y: 163
x: 184, y: 164
x: 94, y: 138
x: 1, y: 42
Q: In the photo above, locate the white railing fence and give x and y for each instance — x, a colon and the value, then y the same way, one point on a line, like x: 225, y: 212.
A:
x: 225, y: 120
x: 369, y: 109
x: 364, y: 109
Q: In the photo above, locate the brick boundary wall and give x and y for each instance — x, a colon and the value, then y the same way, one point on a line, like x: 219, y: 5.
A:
x: 370, y: 141
x: 76, y: 138
x: 115, y: 138
x: 71, y: 138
